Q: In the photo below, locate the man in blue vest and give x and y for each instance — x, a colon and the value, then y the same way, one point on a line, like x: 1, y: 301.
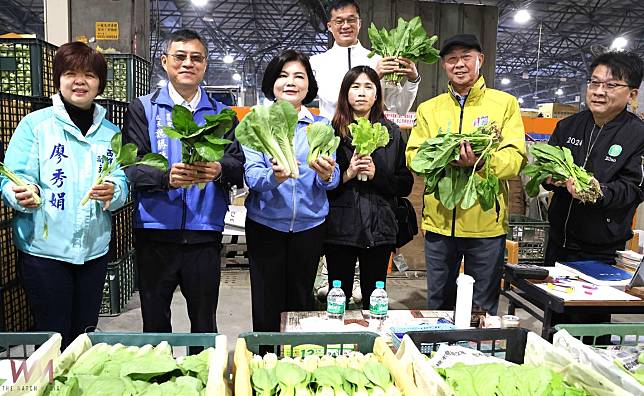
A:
x: 178, y: 226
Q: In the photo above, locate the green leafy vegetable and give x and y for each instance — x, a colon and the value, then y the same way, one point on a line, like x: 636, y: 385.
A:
x: 454, y: 185
x: 558, y: 163
x: 366, y: 138
x: 124, y: 156
x: 17, y: 181
x: 270, y: 130
x: 322, y: 140
x: 408, y: 40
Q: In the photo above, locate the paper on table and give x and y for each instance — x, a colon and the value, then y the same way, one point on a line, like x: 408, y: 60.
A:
x: 602, y: 293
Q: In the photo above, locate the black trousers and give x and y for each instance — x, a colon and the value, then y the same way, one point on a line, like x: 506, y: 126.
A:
x: 282, y: 271
x: 341, y: 261
x: 195, y: 268
x: 65, y: 298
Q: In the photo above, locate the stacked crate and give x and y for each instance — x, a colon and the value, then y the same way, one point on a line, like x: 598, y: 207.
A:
x: 27, y: 67
x: 128, y: 77
x: 14, y: 310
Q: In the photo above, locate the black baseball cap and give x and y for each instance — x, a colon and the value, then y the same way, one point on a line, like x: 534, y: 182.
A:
x: 463, y: 40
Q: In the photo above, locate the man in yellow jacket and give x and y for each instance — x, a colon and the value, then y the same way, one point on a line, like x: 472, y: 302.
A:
x: 477, y: 235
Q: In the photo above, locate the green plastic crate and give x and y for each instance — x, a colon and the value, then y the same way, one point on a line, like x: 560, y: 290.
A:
x: 21, y: 345
x: 285, y: 344
x: 628, y: 333
x: 27, y: 67
x: 128, y: 77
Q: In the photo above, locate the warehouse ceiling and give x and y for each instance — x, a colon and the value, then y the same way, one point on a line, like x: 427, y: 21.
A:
x: 549, y: 52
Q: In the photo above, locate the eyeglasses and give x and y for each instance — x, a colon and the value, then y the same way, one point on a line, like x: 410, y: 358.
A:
x: 350, y: 21
x: 594, y: 85
x: 194, y: 58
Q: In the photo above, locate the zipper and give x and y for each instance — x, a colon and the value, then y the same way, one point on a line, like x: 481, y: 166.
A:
x: 566, y: 223
x: 642, y: 170
x: 294, y: 211
x: 460, y: 129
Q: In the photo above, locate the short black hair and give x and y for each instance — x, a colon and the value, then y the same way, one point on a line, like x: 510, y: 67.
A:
x: 274, y: 68
x: 623, y: 65
x: 339, y: 4
x: 185, y: 35
x: 77, y: 56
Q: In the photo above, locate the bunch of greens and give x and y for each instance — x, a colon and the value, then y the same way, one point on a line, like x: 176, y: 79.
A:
x: 557, y: 162
x: 408, y: 40
x: 345, y: 375
x: 120, y: 370
x: 270, y: 130
x: 453, y: 185
x: 366, y: 138
x: 322, y: 140
x: 498, y: 379
x: 124, y: 156
x: 17, y: 181
x: 200, y: 143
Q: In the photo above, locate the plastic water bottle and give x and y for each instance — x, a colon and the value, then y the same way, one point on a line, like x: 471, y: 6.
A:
x: 335, y: 302
x: 379, y: 302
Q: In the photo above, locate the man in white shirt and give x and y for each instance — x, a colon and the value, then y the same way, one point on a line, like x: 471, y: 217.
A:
x: 331, y: 66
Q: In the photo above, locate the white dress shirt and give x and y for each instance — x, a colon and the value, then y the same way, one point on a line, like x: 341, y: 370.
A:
x: 178, y: 99
x: 330, y: 67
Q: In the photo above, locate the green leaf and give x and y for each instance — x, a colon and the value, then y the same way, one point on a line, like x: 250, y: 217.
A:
x: 182, y: 120
x: 127, y: 155
x: 154, y: 160
x: 172, y: 133
x: 115, y: 143
x: 209, y: 152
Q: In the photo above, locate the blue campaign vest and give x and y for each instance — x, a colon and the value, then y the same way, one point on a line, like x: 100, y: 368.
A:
x: 182, y: 208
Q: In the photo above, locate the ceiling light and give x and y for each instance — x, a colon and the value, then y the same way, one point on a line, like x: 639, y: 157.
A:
x: 522, y: 16
x: 208, y: 19
x: 521, y: 100
x: 199, y: 3
x: 559, y: 92
x: 619, y: 43
x: 228, y: 59
x: 505, y: 81
x: 525, y: 76
x: 237, y: 77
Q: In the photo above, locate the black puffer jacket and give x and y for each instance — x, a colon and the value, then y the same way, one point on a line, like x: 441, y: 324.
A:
x: 617, y: 161
x: 360, y: 212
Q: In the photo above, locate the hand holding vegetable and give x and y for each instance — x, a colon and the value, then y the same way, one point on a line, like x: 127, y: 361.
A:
x: 207, y: 171
x: 182, y: 175
x: 399, y: 65
x: 468, y: 158
x: 27, y: 196
x: 20, y: 183
x: 280, y: 173
x: 324, y: 167
x: 103, y: 192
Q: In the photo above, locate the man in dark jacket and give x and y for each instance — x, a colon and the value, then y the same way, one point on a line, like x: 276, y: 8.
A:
x: 178, y: 226
x: 607, y: 141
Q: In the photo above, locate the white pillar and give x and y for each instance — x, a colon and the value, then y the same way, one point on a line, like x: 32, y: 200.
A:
x: 57, y: 23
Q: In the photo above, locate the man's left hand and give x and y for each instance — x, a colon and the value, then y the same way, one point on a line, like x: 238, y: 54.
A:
x: 468, y: 158
x: 324, y: 167
x: 570, y: 186
x: 207, y: 171
x: 407, y: 68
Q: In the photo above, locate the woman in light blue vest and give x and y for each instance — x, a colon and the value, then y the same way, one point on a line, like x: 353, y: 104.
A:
x: 285, y: 219
x: 58, y: 151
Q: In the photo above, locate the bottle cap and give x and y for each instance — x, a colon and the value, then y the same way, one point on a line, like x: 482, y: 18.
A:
x: 337, y: 283
x: 380, y: 285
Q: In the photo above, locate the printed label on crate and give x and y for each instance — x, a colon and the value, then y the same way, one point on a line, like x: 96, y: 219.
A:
x: 107, y: 30
x: 318, y: 350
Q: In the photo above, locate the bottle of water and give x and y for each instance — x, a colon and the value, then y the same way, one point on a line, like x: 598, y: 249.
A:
x: 335, y: 302
x: 379, y: 302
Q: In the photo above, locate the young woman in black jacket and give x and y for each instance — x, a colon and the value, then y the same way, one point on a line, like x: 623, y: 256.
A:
x: 361, y: 223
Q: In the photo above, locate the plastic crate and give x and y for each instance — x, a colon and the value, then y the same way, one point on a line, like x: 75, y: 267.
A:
x: 13, y: 108
x: 285, y: 344
x: 115, y: 110
x: 505, y: 343
x: 15, y: 314
x: 21, y: 345
x: 8, y: 256
x: 128, y: 77
x: 119, y: 285
x: 532, y: 236
x: 122, y: 238
x: 620, y: 333
x: 27, y: 67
